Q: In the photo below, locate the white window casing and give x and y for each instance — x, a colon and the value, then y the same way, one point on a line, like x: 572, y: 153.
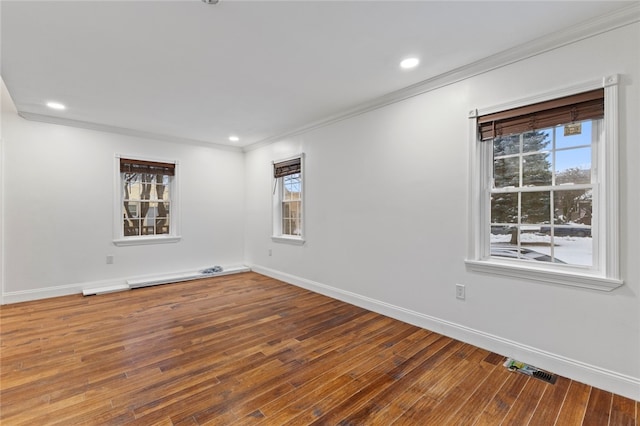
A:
x: 119, y: 239
x: 604, y: 274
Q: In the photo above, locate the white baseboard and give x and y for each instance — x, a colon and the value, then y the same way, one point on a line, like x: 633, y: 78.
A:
x: 99, y: 287
x: 46, y: 293
x: 576, y: 370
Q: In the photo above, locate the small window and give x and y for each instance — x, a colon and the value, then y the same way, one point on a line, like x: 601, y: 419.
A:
x: 146, y: 202
x: 545, y: 184
x: 288, y: 200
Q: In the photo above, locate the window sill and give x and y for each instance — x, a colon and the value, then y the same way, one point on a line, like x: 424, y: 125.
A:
x: 298, y: 241
x: 138, y: 241
x: 568, y: 278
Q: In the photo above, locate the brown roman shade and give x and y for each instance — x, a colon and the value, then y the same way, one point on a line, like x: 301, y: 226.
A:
x: 286, y: 168
x: 579, y: 107
x: 151, y: 167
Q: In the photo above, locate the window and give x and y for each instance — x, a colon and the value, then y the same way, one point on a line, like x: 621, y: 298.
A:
x: 542, y: 194
x: 145, y: 207
x: 288, y: 200
x: 544, y: 190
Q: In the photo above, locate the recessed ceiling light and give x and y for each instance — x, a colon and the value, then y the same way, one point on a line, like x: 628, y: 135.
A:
x: 56, y: 105
x: 234, y: 138
x: 409, y: 63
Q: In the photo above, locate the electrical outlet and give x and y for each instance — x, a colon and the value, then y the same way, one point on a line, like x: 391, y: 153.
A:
x: 269, y: 252
x: 109, y: 259
x: 460, y: 291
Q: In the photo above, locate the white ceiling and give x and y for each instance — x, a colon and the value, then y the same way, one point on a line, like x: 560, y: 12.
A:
x: 189, y: 71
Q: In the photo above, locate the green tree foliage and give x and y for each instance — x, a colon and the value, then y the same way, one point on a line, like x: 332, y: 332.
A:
x: 536, y: 171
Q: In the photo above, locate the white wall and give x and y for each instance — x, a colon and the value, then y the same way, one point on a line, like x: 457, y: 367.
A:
x: 386, y: 224
x: 386, y: 220
x: 58, y: 208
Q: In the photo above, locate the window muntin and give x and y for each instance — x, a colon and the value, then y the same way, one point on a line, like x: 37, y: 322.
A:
x: 541, y: 199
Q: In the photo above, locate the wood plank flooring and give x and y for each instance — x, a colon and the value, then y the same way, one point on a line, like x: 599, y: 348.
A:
x: 249, y: 350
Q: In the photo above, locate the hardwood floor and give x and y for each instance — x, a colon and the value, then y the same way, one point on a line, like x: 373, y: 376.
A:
x: 249, y: 350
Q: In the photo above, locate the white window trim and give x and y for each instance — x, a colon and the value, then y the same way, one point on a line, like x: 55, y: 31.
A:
x: 605, y: 274
x: 118, y: 238
x: 276, y: 210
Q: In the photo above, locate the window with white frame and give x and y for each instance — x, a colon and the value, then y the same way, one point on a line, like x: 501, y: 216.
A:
x: 145, y: 208
x: 545, y: 190
x: 288, y: 200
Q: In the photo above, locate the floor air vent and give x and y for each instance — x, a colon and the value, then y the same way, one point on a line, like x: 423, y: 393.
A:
x: 544, y: 376
x: 529, y: 370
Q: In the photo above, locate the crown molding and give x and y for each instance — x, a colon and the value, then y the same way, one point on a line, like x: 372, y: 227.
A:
x: 122, y: 131
x: 619, y: 18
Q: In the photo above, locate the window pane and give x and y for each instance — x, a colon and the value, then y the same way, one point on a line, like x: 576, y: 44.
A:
x: 573, y: 250
x: 292, y: 187
x: 131, y: 177
x: 131, y: 209
x: 499, y: 230
x: 504, y: 208
x: 506, y: 172
x: 573, y: 166
x: 291, y: 218
x: 574, y: 207
x: 132, y: 190
x: 536, y: 170
x: 162, y: 225
x: 535, y: 207
x: 162, y: 192
x: 163, y: 209
x: 506, y: 145
x: 531, y: 238
x: 147, y: 230
x: 153, y: 193
x: 536, y: 141
x: 146, y: 186
x: 583, y: 138
x: 151, y: 213
x: 131, y: 227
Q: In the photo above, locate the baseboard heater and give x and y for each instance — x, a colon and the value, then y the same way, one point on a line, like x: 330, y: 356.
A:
x: 162, y: 279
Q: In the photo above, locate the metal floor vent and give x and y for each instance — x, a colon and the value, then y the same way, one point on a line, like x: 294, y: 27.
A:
x: 529, y: 370
x: 544, y: 376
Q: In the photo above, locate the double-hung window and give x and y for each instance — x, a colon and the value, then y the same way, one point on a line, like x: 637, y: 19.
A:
x: 145, y: 210
x: 544, y: 190
x: 288, y: 200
